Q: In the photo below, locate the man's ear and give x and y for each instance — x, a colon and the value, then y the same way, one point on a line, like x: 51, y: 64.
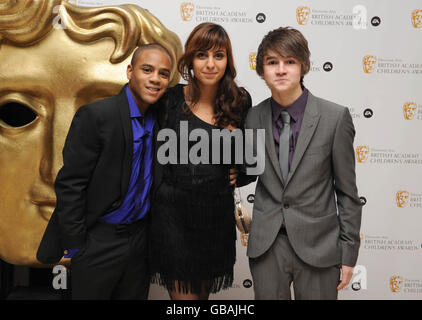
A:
x: 129, y: 71
x: 302, y: 70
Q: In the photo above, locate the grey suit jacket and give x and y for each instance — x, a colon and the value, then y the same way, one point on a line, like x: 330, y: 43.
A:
x: 319, y: 201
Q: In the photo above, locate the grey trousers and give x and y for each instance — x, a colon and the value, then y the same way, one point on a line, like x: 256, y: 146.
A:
x: 279, y: 267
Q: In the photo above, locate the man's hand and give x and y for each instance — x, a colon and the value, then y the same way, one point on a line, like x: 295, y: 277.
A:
x: 70, y: 252
x: 233, y: 176
x: 346, y: 276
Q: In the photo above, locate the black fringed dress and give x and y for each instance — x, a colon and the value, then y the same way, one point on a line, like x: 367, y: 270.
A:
x: 192, y: 238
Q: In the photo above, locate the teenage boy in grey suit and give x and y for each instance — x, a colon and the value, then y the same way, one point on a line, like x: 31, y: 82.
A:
x: 307, y: 212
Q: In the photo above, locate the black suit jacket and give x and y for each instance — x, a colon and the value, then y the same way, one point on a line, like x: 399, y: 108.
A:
x: 97, y: 165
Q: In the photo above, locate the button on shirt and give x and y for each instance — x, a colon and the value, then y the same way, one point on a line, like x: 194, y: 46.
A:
x: 296, y: 111
x: 137, y: 201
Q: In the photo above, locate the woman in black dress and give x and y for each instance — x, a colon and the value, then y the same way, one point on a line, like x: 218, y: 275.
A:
x: 192, y: 251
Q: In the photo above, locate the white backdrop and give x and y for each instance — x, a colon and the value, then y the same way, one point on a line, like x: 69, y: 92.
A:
x: 342, y: 35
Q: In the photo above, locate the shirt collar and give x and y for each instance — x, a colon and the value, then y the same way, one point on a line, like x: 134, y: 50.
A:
x: 135, y: 113
x: 296, y: 109
x: 133, y: 107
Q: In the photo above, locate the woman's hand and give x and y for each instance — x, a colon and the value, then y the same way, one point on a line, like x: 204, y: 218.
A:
x: 233, y: 176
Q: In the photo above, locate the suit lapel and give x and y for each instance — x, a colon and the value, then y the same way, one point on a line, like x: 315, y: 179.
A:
x: 307, y: 130
x: 267, y: 123
x: 123, y: 106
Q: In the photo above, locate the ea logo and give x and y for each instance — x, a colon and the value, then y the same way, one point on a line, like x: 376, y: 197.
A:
x: 247, y: 283
x: 368, y: 113
x: 328, y: 66
x: 356, y: 286
x: 251, y: 198
x: 260, y: 18
x: 376, y: 21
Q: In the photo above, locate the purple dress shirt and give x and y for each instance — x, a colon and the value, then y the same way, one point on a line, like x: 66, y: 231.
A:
x: 136, y: 202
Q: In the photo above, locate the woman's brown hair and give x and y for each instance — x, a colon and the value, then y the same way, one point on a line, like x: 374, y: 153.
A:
x: 230, y: 101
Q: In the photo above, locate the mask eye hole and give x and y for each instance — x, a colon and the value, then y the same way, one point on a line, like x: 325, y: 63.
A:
x: 16, y: 115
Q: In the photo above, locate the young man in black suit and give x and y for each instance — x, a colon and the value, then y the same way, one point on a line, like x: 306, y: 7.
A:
x: 102, y: 190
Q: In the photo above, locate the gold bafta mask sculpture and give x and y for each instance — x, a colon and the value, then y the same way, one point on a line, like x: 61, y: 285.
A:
x: 409, y: 110
x: 396, y: 283
x: 417, y: 18
x: 55, y: 57
x: 186, y: 10
x: 369, y: 63
x: 362, y: 153
x: 252, y: 60
x: 302, y: 15
x: 402, y: 198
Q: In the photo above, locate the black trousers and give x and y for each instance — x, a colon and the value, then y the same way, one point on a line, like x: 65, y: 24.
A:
x: 112, y: 264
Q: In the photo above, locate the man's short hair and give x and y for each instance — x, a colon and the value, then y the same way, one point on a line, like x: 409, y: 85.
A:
x: 287, y: 42
x: 149, y: 46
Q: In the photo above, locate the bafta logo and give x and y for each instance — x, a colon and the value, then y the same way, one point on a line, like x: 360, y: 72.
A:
x: 396, y: 283
x: 369, y: 63
x: 417, y: 18
x: 362, y: 153
x: 252, y: 60
x: 302, y: 15
x: 244, y: 238
x: 409, y: 110
x: 402, y: 198
x: 186, y: 10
